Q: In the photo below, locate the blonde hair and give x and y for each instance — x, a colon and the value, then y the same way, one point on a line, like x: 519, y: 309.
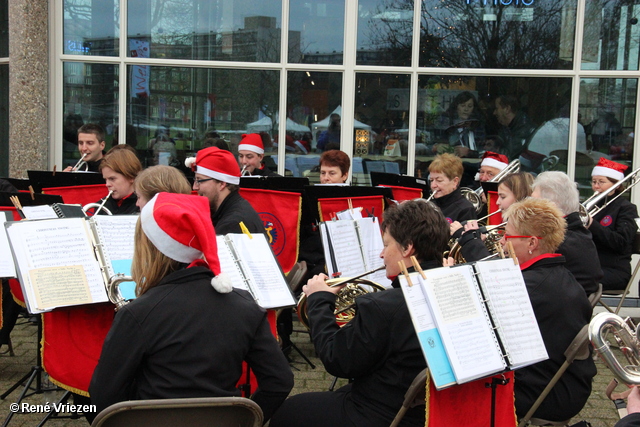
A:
x: 149, y: 265
x: 447, y: 164
x: 156, y: 179
x: 538, y: 217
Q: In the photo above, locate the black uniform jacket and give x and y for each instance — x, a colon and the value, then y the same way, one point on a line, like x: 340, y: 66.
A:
x: 183, y: 339
x: 614, y: 229
x: 379, y: 349
x: 631, y: 420
x: 234, y: 209
x: 126, y: 207
x: 264, y: 171
x: 455, y: 207
x: 561, y: 309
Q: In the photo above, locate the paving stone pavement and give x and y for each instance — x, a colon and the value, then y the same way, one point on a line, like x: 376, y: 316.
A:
x: 599, y: 411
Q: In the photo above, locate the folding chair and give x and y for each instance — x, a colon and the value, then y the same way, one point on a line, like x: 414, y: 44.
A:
x: 594, y: 298
x: 577, y: 350
x: 623, y: 293
x: 416, y: 395
x: 192, y: 412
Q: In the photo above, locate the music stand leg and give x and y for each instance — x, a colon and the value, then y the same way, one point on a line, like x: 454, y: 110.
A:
x: 495, y: 382
x: 54, y: 414
x: 306, y: 359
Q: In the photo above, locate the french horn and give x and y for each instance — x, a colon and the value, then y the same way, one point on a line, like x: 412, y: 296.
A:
x: 491, y: 242
x: 113, y: 290
x: 625, y: 333
x: 345, y: 298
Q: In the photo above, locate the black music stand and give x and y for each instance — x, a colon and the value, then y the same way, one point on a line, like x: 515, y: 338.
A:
x: 278, y: 183
x: 26, y: 199
x: 44, y: 179
x: 383, y: 178
x: 20, y: 184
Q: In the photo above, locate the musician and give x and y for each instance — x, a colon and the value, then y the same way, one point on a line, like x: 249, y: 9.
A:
x: 578, y: 248
x: 188, y: 331
x: 614, y: 227
x: 119, y: 168
x: 217, y: 177
x: 378, y: 349
x: 90, y: 142
x: 251, y: 154
x: 159, y: 178
x: 535, y: 227
x: 491, y: 165
x: 334, y: 167
x: 632, y: 419
x: 445, y: 172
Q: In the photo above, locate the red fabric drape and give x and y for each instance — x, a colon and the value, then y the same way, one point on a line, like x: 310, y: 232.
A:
x: 372, y: 204
x: 492, y: 197
x: 79, y: 194
x: 401, y: 194
x: 280, y: 213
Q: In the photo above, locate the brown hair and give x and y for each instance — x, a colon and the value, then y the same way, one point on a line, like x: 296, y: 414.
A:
x: 155, y: 179
x: 336, y: 158
x: 123, y: 160
x: 538, y: 217
x: 447, y: 164
x: 519, y: 184
x: 94, y: 129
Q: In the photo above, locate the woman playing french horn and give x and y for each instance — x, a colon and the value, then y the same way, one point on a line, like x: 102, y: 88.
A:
x: 378, y: 348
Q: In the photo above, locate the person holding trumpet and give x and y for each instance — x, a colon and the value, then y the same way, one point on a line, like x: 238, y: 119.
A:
x: 119, y: 169
x: 91, y: 147
x: 445, y: 172
x: 614, y: 226
x: 378, y: 349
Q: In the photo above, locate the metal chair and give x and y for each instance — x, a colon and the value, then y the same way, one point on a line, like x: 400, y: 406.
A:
x: 623, y: 293
x: 577, y: 350
x: 416, y: 395
x: 594, y: 298
x: 191, y: 412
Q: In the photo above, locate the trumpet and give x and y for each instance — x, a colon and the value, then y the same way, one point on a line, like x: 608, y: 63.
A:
x: 589, y: 208
x: 81, y: 163
x: 98, y: 207
x: 625, y: 334
x: 113, y: 290
x: 345, y: 299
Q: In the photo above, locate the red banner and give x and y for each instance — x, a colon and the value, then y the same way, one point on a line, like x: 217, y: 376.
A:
x: 370, y: 204
x: 79, y: 194
x: 14, y: 211
x: 280, y: 213
x: 401, y: 194
x: 496, y: 219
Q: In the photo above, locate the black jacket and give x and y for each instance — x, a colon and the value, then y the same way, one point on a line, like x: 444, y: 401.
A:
x: 561, y: 309
x: 455, y: 207
x: 631, y: 420
x: 580, y: 253
x: 379, y: 349
x: 233, y: 210
x: 516, y: 136
x: 264, y: 171
x: 614, y: 229
x: 183, y: 339
x: 127, y: 207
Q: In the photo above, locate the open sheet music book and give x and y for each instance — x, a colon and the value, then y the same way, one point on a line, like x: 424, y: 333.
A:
x: 56, y: 210
x: 352, y: 247
x: 69, y: 261
x: 473, y: 320
x: 252, y: 266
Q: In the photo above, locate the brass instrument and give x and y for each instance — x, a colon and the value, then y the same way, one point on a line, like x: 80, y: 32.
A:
x: 113, y: 290
x: 488, y: 216
x: 473, y: 197
x: 244, y: 171
x: 98, y: 206
x: 491, y: 242
x: 81, y: 163
x: 345, y: 298
x: 626, y: 335
x: 432, y: 195
x: 589, y: 208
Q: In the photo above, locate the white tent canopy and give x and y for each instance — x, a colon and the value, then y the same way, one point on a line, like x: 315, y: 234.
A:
x: 266, y: 124
x: 324, y: 123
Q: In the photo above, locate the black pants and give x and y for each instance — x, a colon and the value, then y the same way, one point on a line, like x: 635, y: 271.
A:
x: 10, y: 312
x: 614, y: 279
x: 319, y: 409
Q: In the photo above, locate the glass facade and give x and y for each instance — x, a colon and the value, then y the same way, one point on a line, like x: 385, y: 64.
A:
x: 419, y: 78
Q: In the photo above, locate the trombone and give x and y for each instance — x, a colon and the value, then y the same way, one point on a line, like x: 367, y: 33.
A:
x: 589, y: 208
x: 513, y: 167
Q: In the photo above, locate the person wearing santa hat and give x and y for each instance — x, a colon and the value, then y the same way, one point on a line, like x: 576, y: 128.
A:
x: 188, y: 331
x: 491, y: 165
x: 217, y: 177
x: 250, y: 155
x: 614, y: 227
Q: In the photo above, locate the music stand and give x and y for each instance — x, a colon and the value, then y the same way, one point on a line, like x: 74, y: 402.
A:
x: 312, y: 193
x: 19, y: 183
x: 45, y: 179
x: 278, y: 183
x: 383, y: 178
x: 26, y: 199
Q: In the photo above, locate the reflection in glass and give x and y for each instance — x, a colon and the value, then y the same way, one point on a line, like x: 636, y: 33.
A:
x: 4, y: 28
x: 316, y: 33
x: 239, y: 30
x: 312, y: 99
x: 611, y: 34
x: 90, y: 95
x: 91, y: 27
x: 4, y: 119
x: 607, y: 112
x: 188, y: 108
x: 385, y: 32
x: 527, y: 34
x: 381, y: 125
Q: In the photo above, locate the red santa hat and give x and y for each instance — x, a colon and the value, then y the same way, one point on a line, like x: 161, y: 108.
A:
x: 215, y: 163
x: 609, y: 169
x: 495, y: 160
x: 179, y: 225
x: 251, y: 142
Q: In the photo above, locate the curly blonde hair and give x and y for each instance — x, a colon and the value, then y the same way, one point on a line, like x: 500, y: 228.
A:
x: 538, y: 217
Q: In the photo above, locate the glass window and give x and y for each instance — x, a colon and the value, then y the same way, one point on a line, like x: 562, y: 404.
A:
x: 91, y: 27
x: 529, y: 34
x: 316, y: 31
x: 4, y: 120
x: 176, y: 111
x: 4, y: 28
x: 526, y: 119
x: 385, y: 33
x: 90, y: 95
x: 608, y: 114
x: 381, y: 125
x: 611, y: 34
x: 239, y: 30
x: 312, y: 98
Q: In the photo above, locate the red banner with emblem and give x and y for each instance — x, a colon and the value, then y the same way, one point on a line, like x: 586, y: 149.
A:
x: 492, y: 198
x: 371, y: 205
x: 400, y: 194
x: 280, y: 213
x: 79, y: 194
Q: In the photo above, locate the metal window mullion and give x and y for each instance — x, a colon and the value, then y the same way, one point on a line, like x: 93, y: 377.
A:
x: 122, y: 74
x: 349, y: 79
x: 56, y: 85
x: 413, y: 90
x: 282, y: 104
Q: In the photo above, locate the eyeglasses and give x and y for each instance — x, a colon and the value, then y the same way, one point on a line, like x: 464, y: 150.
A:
x: 506, y: 236
x: 197, y: 181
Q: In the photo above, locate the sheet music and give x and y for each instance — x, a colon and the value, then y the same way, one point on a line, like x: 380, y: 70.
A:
x: 7, y: 267
x: 372, y: 246
x: 48, y: 244
x: 355, y: 213
x: 511, y: 309
x: 471, y: 345
x: 39, y: 212
x: 228, y: 265
x: 346, y: 246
